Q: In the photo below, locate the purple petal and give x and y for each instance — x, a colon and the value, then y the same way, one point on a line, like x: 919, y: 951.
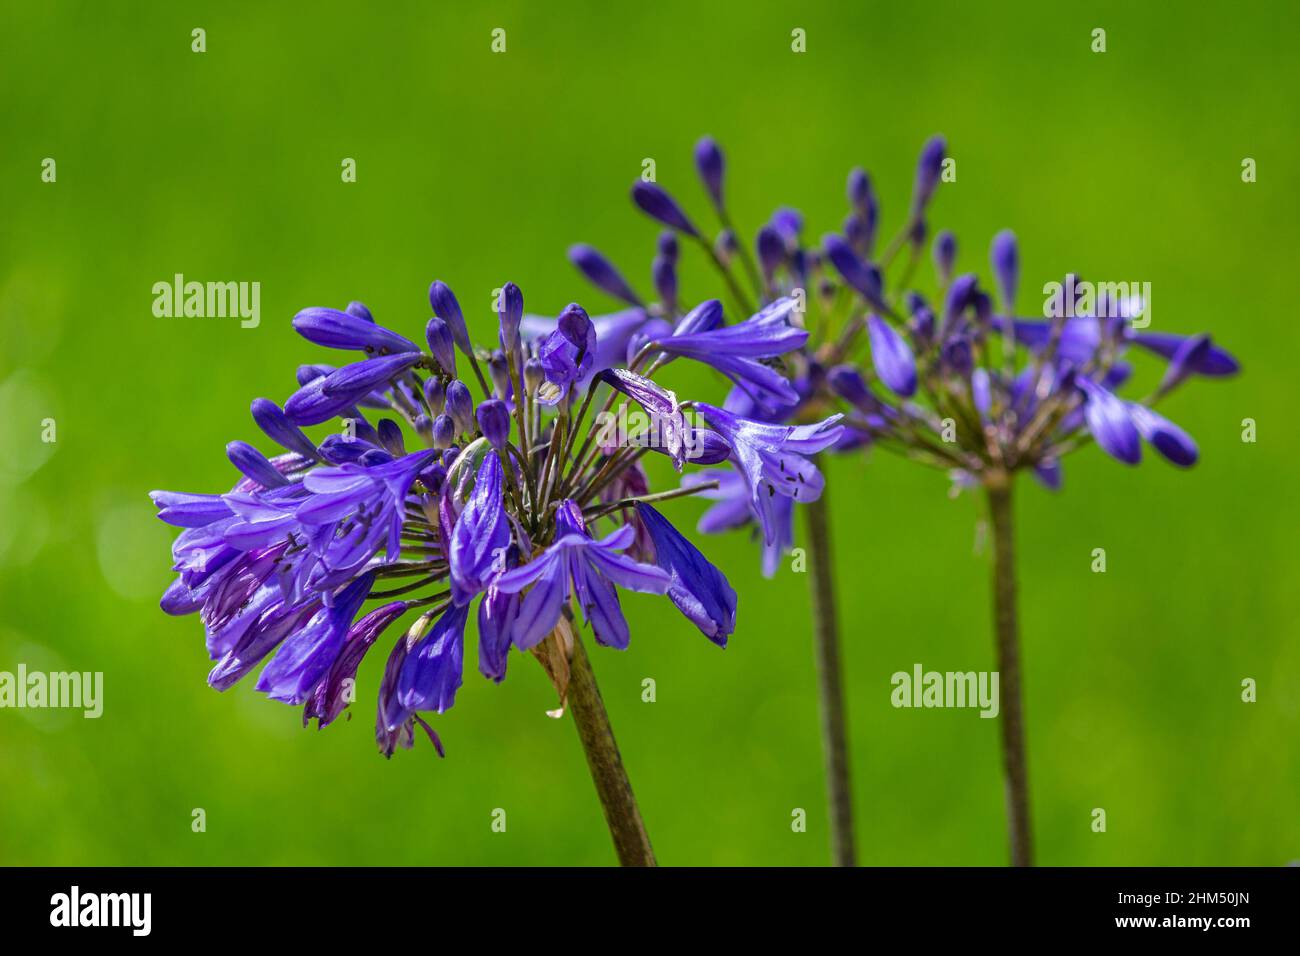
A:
x: 656, y: 203
x: 481, y: 535
x: 341, y: 330
x: 700, y: 590
x: 892, y: 357
x: 431, y: 672
x: 601, y: 273
x: 1110, y: 423
x: 1164, y: 436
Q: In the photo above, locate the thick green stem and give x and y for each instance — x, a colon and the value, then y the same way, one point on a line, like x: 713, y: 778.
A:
x: 830, y: 683
x: 612, y: 786
x: 1007, y: 629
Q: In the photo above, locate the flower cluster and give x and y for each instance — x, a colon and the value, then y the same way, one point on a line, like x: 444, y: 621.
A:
x: 446, y: 500
x: 960, y: 381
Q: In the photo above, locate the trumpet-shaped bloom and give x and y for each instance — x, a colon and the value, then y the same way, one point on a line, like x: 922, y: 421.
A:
x: 579, y: 564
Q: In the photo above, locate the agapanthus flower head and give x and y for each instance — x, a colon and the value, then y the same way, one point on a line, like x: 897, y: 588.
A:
x: 519, y: 499
x: 957, y: 378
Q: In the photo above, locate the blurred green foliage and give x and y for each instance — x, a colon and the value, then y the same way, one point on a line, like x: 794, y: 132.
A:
x: 477, y: 168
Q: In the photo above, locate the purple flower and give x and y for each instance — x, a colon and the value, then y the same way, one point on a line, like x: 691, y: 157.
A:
x: 945, y: 254
x: 253, y: 464
x: 863, y: 278
x: 892, y: 357
x: 859, y: 191
x: 613, y: 333
x: 568, y: 354
x: 664, y: 273
x: 1164, y: 436
x: 928, y: 170
x: 494, y: 422
x: 591, y: 569
x: 445, y: 307
x: 699, y: 446
x: 279, y: 567
x: 602, y: 273
x: 353, y: 511
x: 735, y: 509
x: 510, y: 316
x: 699, y: 590
x: 441, y: 345
x: 709, y: 163
x: 330, y: 395
x: 342, y: 330
x: 670, y: 429
x: 657, y: 204
x: 333, y: 694
x: 773, y: 459
x: 737, y: 350
x: 460, y: 406
x: 277, y: 427
x: 442, y: 431
x: 431, y: 673
x: 186, y: 510
x: 498, y: 614
x: 771, y: 251
x: 1006, y: 266
x: 355, y: 381
x: 304, y: 658
x: 1215, y: 362
x: 480, y: 536
x: 1191, y: 355
x: 1110, y: 423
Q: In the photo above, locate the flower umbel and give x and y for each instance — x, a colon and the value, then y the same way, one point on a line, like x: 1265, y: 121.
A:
x: 447, y: 500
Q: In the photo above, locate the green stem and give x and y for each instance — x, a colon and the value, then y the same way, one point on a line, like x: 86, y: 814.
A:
x: 606, y: 765
x: 830, y: 682
x: 1008, y: 647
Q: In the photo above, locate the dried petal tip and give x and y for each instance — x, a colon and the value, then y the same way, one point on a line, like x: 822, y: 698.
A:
x: 709, y: 162
x: 494, y: 422
x: 656, y: 203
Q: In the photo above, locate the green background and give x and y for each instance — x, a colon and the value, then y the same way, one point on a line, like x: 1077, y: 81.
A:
x: 477, y: 168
